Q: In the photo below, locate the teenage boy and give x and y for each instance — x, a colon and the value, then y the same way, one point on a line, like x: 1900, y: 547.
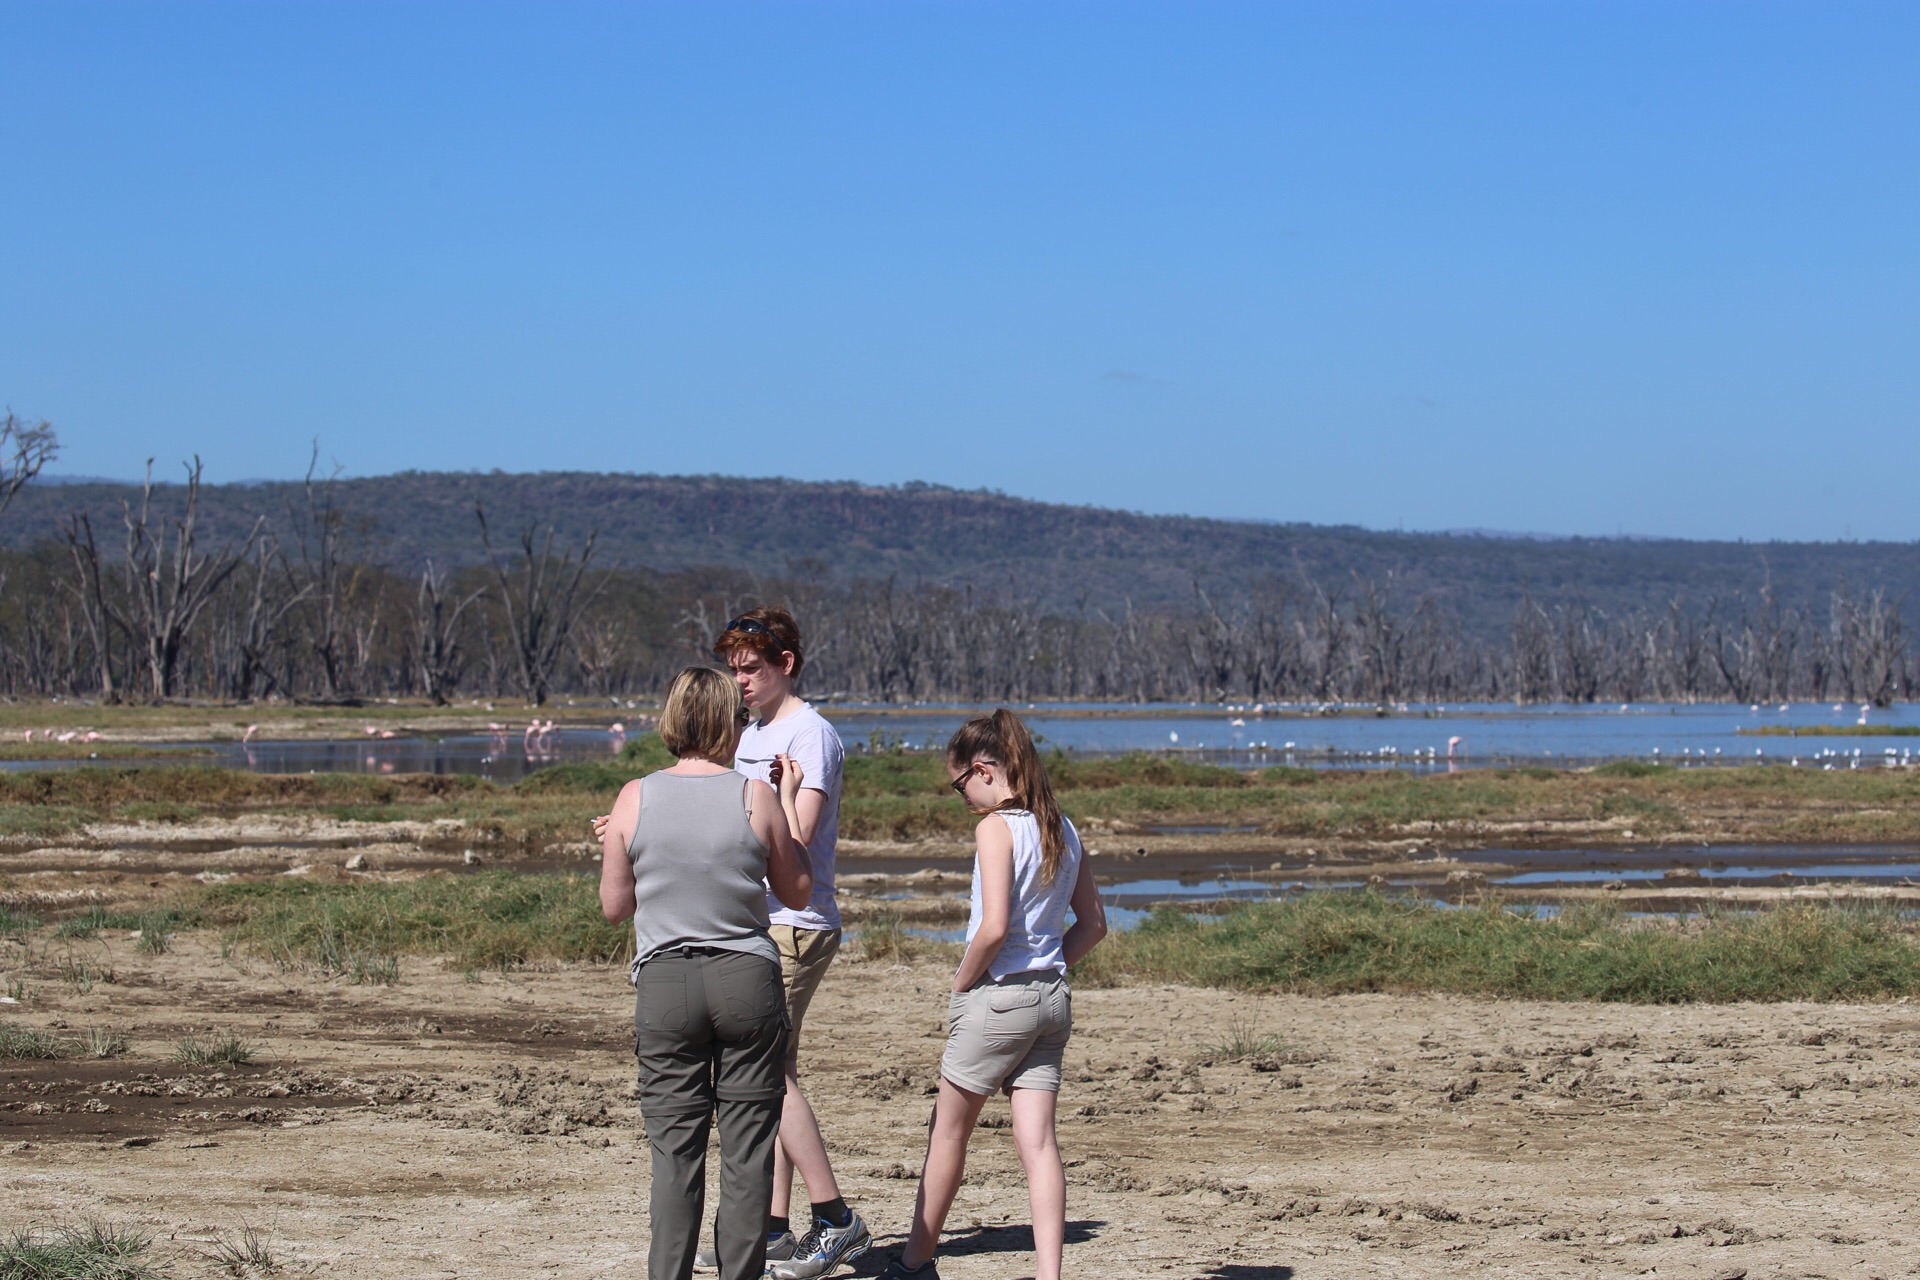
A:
x: 762, y: 648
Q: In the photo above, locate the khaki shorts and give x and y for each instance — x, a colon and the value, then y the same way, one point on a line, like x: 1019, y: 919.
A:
x: 1009, y: 1034
x: 804, y: 957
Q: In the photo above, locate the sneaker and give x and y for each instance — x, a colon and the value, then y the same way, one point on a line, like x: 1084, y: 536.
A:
x: 824, y: 1248
x: 779, y: 1249
x: 898, y: 1270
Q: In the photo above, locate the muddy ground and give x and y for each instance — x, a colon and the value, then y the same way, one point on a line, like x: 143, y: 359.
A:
x: 483, y: 1125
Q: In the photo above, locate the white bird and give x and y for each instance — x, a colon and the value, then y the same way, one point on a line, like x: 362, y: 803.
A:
x: 1173, y: 735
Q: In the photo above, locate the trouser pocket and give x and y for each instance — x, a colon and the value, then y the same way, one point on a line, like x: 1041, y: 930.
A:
x: 660, y: 1000
x: 750, y: 991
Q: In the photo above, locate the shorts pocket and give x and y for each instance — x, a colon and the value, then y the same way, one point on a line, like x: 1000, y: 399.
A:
x: 661, y: 1003
x: 957, y: 1007
x: 1010, y: 999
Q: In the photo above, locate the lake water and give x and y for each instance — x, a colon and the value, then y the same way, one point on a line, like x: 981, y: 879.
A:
x: 1416, y: 737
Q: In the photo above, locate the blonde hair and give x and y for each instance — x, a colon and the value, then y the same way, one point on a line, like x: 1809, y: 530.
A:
x: 701, y: 714
x: 1003, y: 739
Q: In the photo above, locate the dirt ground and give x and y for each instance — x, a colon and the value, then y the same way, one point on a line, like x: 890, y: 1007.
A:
x: 483, y: 1125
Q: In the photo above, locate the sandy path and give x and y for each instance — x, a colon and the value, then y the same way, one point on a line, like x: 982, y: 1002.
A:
x: 483, y: 1126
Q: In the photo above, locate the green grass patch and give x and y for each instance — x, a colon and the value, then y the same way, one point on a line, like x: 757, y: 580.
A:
x: 1330, y: 943
x: 87, y: 1251
x: 1632, y: 769
x: 1645, y: 812
x: 17, y: 1042
x: 105, y: 1042
x: 245, y: 1253
x: 160, y: 920
x: 15, y: 923
x: 494, y: 920
x: 214, y: 1051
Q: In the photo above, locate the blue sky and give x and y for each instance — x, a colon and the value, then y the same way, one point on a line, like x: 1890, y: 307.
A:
x: 1557, y: 267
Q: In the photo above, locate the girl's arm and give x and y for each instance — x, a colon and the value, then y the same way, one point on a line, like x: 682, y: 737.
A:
x: 993, y: 855
x: 1089, y: 916
x: 616, y: 872
x: 789, y: 868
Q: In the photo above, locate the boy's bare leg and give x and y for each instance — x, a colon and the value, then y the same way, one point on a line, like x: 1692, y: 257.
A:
x: 802, y: 1148
x: 955, y: 1112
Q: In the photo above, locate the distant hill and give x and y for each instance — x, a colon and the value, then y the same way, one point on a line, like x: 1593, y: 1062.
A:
x: 1062, y: 556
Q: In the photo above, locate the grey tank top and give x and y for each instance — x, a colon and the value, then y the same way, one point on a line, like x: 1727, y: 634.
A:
x: 698, y: 868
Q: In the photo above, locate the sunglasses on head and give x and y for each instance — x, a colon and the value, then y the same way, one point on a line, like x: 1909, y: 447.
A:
x: 750, y: 626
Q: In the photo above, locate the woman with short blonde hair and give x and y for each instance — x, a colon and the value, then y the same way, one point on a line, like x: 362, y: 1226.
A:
x: 685, y: 853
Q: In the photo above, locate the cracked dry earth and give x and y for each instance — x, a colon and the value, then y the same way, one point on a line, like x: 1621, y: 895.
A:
x: 486, y: 1127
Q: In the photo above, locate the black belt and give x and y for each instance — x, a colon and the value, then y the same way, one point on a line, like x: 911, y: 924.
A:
x: 694, y: 951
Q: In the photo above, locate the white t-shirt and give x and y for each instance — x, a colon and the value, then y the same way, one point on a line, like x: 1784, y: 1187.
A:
x: 807, y: 737
x: 1037, y: 920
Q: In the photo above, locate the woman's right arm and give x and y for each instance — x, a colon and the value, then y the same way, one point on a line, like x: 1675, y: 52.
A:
x: 789, y: 868
x: 616, y: 872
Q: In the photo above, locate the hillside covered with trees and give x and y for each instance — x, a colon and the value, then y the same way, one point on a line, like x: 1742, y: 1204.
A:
x: 462, y: 583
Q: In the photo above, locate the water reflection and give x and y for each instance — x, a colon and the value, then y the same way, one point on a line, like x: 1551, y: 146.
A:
x: 1412, y: 737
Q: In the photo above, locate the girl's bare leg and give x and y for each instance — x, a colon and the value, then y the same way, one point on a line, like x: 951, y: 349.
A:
x: 1033, y: 1135
x: 955, y: 1112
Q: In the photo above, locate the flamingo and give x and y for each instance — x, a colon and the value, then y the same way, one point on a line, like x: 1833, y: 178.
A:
x: 252, y: 730
x: 1453, y: 746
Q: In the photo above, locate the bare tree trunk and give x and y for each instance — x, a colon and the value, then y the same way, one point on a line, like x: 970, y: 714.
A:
x: 540, y: 606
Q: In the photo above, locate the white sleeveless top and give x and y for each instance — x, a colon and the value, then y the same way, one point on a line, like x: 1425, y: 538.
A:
x: 1037, y: 923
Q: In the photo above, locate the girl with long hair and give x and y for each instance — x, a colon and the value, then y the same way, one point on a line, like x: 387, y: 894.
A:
x: 1010, y: 1012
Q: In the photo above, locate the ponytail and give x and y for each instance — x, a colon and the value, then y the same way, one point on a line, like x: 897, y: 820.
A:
x: 1002, y: 738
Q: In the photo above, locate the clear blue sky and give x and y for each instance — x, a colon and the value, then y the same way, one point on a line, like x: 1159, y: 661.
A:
x: 1560, y: 267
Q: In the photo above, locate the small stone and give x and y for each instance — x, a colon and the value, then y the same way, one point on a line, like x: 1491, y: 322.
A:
x: 471, y: 858
x: 358, y: 862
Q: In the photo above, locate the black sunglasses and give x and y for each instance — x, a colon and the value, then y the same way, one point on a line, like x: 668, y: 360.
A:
x: 750, y: 626
x: 959, y: 784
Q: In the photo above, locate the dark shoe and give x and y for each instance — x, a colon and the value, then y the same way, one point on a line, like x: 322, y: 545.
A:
x: 898, y: 1271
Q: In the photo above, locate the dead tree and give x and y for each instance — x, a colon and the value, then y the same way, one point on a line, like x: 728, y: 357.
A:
x: 438, y: 656
x: 169, y: 581
x: 540, y: 602
x: 25, y: 448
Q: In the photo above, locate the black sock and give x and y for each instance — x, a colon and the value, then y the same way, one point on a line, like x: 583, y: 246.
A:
x: 833, y: 1212
x: 778, y: 1226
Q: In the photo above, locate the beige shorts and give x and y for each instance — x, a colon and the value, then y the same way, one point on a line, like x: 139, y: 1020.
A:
x: 804, y: 957
x: 1009, y: 1034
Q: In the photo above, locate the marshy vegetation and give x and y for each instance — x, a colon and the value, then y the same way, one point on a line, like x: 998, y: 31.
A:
x: 1335, y: 943
x: 903, y: 796
x: 1322, y: 943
